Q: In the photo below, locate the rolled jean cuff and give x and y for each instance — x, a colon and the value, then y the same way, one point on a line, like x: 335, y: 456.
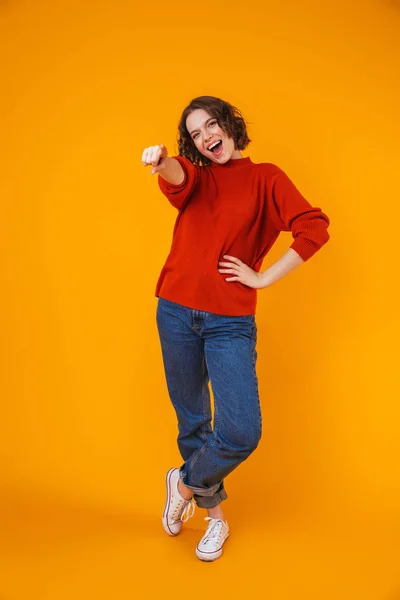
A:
x: 206, y: 497
x: 210, y: 501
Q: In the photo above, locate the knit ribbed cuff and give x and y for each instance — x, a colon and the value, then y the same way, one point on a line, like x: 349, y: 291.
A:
x: 304, y: 248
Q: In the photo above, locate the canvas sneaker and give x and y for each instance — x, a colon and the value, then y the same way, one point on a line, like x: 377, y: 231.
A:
x: 210, y: 546
x: 177, y: 510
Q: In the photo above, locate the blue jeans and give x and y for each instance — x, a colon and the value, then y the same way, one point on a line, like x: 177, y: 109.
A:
x: 198, y: 347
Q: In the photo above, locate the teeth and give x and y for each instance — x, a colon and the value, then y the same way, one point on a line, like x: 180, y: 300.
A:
x: 212, y: 146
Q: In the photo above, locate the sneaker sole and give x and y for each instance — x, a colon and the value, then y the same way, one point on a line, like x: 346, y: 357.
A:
x: 166, y: 506
x: 210, y: 556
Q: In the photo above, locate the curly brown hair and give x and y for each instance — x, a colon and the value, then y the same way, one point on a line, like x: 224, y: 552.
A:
x: 229, y: 119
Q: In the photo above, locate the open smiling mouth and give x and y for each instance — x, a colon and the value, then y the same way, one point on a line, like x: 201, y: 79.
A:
x: 217, y: 149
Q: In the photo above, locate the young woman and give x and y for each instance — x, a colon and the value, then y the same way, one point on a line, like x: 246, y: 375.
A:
x: 230, y: 213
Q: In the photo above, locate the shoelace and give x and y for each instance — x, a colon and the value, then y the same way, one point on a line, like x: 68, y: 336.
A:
x: 188, y: 511
x: 184, y: 510
x: 214, y: 530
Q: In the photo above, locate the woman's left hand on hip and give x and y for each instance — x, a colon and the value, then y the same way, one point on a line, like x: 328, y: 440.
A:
x: 240, y: 272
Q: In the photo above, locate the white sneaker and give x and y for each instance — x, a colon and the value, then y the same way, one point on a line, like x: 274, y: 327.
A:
x: 176, y: 509
x: 210, y: 546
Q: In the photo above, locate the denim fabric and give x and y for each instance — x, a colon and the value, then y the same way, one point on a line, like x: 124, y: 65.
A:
x: 198, y: 347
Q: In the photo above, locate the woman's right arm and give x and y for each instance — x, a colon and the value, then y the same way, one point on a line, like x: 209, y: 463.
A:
x: 168, y: 168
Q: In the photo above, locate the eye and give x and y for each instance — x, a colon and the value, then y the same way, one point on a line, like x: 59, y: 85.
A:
x: 212, y: 123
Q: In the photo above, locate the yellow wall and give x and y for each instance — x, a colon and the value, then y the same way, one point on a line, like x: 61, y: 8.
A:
x: 84, y: 233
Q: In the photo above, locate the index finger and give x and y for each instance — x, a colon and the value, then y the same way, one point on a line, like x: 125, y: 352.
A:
x: 232, y: 258
x: 144, y: 162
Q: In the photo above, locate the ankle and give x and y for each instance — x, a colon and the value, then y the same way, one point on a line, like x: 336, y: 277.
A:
x: 216, y: 513
x: 184, y: 491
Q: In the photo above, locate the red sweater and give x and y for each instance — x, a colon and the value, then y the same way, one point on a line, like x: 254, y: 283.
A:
x: 239, y: 209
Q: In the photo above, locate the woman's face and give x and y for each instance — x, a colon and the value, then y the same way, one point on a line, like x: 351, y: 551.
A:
x: 207, y: 136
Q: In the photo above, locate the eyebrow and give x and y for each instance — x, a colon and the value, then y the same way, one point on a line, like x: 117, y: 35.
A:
x: 205, y: 123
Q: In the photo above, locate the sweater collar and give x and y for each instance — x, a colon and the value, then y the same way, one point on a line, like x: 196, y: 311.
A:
x: 233, y: 163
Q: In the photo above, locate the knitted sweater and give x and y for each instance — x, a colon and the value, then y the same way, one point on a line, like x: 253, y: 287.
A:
x: 238, y: 208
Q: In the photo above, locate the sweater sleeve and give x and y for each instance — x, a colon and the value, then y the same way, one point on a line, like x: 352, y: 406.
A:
x: 178, y: 195
x: 290, y: 211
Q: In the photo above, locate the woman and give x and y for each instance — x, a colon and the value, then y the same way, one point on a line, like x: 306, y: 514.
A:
x: 230, y: 213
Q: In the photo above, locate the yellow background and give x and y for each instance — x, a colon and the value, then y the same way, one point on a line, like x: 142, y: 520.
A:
x: 87, y: 430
